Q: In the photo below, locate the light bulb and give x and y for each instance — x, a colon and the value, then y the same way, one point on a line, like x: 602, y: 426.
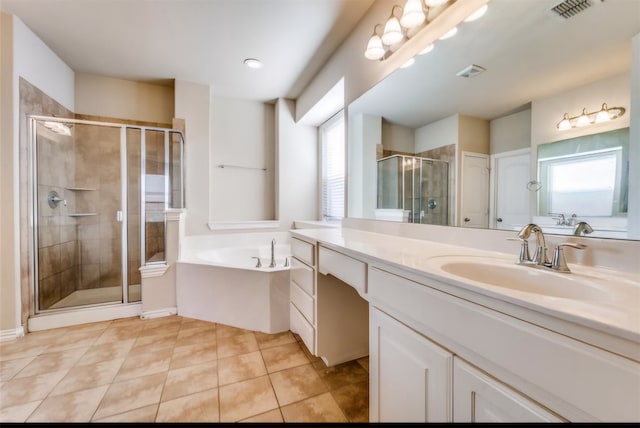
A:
x: 375, y: 50
x: 392, y: 32
x: 413, y: 14
x: 583, y: 120
x: 435, y: 3
x: 603, y: 115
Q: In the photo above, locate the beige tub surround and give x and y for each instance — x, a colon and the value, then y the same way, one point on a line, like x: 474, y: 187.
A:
x: 158, y: 280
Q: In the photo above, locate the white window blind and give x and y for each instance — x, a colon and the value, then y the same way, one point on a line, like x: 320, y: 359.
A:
x: 333, y: 167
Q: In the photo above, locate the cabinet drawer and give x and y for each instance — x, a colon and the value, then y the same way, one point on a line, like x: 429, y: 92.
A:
x: 345, y: 268
x: 303, y: 250
x: 303, y: 276
x: 303, y: 302
x: 302, y: 327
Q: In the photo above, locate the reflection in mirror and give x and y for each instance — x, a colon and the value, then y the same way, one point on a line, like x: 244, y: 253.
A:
x: 585, y: 179
x: 496, y: 124
x: 413, y: 189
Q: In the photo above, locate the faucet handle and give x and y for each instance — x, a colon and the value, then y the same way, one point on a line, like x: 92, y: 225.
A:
x: 524, y: 256
x: 559, y: 263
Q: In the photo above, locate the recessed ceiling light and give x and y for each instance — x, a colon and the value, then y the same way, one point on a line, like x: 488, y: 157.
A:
x: 253, y: 63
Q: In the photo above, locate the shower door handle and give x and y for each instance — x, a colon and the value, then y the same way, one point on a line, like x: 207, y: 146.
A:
x: 119, y: 216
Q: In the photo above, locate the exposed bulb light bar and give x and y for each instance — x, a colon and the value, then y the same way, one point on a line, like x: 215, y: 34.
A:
x: 406, y: 22
x: 586, y: 118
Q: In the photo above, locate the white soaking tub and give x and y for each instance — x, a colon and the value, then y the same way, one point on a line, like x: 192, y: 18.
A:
x: 217, y: 280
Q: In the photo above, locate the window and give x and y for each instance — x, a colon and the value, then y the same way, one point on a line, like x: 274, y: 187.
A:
x: 333, y: 167
x: 584, y: 183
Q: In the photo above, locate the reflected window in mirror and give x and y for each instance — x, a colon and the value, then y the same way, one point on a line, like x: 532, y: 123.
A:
x: 332, y: 147
x: 586, y: 176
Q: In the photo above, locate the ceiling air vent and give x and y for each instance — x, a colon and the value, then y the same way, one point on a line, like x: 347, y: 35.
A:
x: 470, y: 71
x: 569, y: 8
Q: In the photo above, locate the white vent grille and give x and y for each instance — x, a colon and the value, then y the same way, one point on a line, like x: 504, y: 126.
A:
x: 470, y: 71
x: 569, y: 8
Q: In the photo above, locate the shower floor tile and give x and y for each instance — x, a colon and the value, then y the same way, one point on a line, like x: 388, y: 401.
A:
x: 175, y: 369
x: 96, y: 296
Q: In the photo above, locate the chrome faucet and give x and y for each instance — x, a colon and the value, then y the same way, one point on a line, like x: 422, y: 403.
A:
x: 540, y: 257
x: 273, y: 258
x: 582, y: 228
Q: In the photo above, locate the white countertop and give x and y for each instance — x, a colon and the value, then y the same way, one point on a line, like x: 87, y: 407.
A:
x: 616, y: 314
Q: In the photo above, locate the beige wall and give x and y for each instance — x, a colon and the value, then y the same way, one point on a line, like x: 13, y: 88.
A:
x: 8, y: 235
x: 510, y: 132
x: 117, y: 98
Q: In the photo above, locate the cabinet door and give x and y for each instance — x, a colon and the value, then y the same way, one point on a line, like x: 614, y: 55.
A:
x: 410, y: 376
x: 480, y: 398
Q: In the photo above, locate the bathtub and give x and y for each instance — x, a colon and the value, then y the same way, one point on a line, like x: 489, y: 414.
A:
x: 217, y: 280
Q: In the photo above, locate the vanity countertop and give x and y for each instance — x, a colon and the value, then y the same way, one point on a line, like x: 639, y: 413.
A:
x: 613, y: 313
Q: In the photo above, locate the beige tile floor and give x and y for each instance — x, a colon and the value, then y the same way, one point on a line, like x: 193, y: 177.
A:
x: 174, y: 369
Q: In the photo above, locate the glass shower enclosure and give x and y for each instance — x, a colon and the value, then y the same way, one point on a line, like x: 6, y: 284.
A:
x: 98, y: 196
x: 418, y: 186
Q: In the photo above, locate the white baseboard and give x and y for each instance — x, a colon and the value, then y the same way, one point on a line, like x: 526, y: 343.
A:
x: 157, y: 313
x: 82, y: 316
x: 12, y: 334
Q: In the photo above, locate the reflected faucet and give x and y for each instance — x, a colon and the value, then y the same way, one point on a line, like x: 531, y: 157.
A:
x: 540, y: 255
x: 582, y: 228
x: 273, y: 258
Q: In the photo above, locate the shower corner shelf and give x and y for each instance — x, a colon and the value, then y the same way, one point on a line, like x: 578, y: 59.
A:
x: 79, y: 188
x: 81, y: 214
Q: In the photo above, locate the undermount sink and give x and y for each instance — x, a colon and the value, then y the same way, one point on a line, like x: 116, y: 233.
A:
x: 511, y: 276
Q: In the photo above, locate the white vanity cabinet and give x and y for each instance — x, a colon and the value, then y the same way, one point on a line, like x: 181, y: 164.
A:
x: 504, y: 369
x: 411, y: 377
x: 325, y: 308
x: 302, y: 292
x: 478, y: 397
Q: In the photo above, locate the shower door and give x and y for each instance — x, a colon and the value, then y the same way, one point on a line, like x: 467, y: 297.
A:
x: 99, y: 193
x: 78, y: 216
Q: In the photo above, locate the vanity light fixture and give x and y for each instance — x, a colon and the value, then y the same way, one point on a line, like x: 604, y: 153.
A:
x: 406, y: 21
x: 409, y: 63
x: 605, y: 114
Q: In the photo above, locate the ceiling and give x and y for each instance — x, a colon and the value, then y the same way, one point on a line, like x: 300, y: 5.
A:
x: 529, y: 53
x: 200, y: 41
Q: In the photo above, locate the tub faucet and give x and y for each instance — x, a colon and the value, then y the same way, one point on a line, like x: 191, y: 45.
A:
x: 540, y: 255
x: 273, y: 258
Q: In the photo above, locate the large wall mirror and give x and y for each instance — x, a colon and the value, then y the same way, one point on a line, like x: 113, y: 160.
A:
x: 488, y: 102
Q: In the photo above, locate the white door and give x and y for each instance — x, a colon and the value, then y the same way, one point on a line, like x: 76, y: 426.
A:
x: 510, y: 175
x: 480, y: 398
x: 411, y: 377
x: 474, y: 204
